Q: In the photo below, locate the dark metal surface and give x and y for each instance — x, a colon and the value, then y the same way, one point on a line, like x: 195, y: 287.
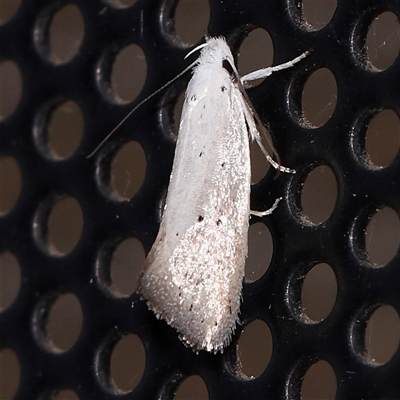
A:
x: 298, y: 245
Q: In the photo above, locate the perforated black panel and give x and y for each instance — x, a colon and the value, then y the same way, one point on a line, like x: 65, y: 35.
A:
x: 298, y: 245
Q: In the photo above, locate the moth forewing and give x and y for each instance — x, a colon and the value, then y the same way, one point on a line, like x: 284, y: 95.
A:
x: 193, y: 278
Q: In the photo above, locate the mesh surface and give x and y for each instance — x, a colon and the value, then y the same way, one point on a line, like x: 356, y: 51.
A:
x: 298, y: 244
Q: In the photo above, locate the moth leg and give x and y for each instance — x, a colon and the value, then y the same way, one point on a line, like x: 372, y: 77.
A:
x: 266, y: 212
x: 265, y: 72
x: 255, y: 135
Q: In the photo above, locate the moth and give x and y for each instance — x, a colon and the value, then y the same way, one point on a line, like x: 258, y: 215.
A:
x: 193, y: 274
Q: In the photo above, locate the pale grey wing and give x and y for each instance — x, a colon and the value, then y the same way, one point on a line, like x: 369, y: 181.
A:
x: 194, y: 272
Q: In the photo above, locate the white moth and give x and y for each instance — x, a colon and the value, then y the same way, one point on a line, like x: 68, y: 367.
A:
x: 193, y: 274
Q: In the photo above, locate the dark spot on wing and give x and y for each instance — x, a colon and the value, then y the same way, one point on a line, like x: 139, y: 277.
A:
x: 223, y: 88
x: 223, y: 164
x: 200, y: 218
x: 201, y: 153
x: 219, y: 222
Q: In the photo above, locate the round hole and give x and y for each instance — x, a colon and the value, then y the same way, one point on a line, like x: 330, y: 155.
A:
x: 128, y: 74
x: 318, y: 14
x: 11, y: 182
x: 256, y: 52
x: 318, y: 105
x: 66, y: 34
x: 260, y: 252
x: 319, y: 382
x: 382, y: 335
x: 10, y: 278
x: 64, y: 226
x: 319, y: 194
x: 11, y: 88
x: 319, y: 291
x: 382, y: 138
x: 383, y: 40
x: 126, y: 264
x: 8, y: 9
x: 255, y: 348
x: 193, y: 388
x: 128, y: 170
x: 64, y: 323
x: 65, y: 395
x: 383, y: 236
x: 65, y: 130
x: 128, y: 360
x: 10, y: 375
x: 191, y: 20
